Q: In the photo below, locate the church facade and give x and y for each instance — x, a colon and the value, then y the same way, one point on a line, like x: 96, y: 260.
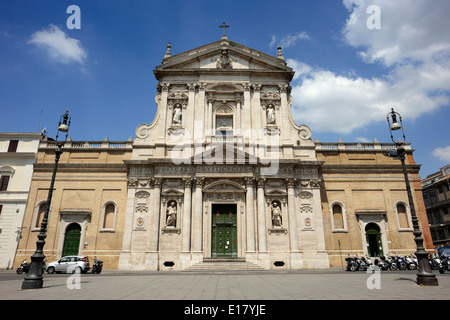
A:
x: 223, y: 173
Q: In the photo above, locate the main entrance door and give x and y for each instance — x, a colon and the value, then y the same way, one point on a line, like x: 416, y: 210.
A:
x: 224, y: 231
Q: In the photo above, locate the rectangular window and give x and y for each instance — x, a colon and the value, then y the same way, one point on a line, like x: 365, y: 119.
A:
x: 13, y: 145
x: 4, y: 183
x: 1, y: 207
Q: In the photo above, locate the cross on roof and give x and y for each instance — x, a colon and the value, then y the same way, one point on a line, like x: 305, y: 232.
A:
x: 223, y: 26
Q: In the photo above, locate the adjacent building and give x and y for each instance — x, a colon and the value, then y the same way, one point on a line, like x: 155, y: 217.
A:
x: 436, y: 194
x: 224, y: 174
x: 18, y: 153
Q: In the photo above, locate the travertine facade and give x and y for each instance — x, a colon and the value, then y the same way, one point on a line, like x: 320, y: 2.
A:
x: 223, y: 172
x: 89, y: 193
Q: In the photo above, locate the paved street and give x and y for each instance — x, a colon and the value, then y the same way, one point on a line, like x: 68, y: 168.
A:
x: 257, y: 285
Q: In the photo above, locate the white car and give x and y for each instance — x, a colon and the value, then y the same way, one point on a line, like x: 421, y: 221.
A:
x: 69, y: 264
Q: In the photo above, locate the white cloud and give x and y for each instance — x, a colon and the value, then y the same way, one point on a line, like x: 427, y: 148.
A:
x: 290, y: 39
x: 410, y: 30
x: 443, y: 153
x: 58, y: 45
x: 412, y: 48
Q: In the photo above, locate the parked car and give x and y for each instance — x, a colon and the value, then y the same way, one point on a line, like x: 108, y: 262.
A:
x: 69, y: 264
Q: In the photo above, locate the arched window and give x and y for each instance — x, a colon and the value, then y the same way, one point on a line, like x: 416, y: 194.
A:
x: 108, y: 219
x: 38, y: 215
x: 402, y: 212
x: 338, y: 221
x: 338, y: 217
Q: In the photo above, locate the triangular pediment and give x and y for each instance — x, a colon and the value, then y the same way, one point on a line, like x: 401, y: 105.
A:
x: 224, y: 153
x: 223, y: 55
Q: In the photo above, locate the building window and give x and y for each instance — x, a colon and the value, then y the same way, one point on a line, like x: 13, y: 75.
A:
x: 109, y: 212
x: 13, y: 145
x: 40, y: 215
x: 338, y: 216
x: 403, y: 215
x: 1, y: 207
x: 108, y: 221
x: 4, y: 181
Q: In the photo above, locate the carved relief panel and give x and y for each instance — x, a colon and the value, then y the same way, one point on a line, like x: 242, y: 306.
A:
x: 141, y: 209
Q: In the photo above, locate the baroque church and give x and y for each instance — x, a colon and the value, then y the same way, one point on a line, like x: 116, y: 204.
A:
x: 222, y: 174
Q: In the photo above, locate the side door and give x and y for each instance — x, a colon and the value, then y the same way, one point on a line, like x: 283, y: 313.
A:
x: 62, y: 264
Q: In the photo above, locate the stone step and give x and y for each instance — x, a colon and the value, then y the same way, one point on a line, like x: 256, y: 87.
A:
x: 212, y: 264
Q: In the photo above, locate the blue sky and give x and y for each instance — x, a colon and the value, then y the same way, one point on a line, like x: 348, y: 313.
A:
x: 352, y: 62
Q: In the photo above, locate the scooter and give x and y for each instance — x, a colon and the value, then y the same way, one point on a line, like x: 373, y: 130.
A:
x: 24, y: 267
x: 435, y: 263
x: 368, y: 261
x: 401, y: 264
x: 445, y: 264
x: 362, y: 263
x: 382, y: 264
x: 391, y: 261
x: 352, y: 265
x: 97, y: 266
x: 410, y: 263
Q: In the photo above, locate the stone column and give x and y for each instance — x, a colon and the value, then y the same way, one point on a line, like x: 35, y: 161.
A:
x: 197, y: 218
x: 238, y: 124
x: 284, y: 123
x: 262, y: 229
x: 246, y: 111
x: 293, y: 235
x: 163, y: 110
x: 209, y: 126
x: 256, y: 111
x: 155, y: 204
x: 200, y: 115
x: 125, y: 255
x: 186, y: 225
x: 190, y: 110
x: 250, y: 216
x: 152, y: 254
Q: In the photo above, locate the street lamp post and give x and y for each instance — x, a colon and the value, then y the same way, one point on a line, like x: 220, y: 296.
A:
x: 34, y: 278
x: 424, y: 276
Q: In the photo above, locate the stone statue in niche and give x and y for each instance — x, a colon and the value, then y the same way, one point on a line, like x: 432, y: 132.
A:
x: 176, y: 118
x: 270, y: 114
x: 276, y: 215
x: 171, y: 214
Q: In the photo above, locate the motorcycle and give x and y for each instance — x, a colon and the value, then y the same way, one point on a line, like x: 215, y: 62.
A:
x: 352, y: 264
x: 97, y: 266
x: 435, y: 263
x: 391, y: 261
x: 362, y: 263
x: 381, y: 264
x: 410, y: 263
x: 401, y: 264
x: 445, y: 264
x: 368, y: 261
x: 416, y: 261
x: 24, y: 267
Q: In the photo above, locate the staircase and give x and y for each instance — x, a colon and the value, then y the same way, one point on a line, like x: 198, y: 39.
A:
x: 215, y: 264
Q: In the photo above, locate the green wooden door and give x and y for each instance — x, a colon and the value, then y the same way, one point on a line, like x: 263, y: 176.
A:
x: 373, y: 239
x: 224, y: 231
x: 72, y: 240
